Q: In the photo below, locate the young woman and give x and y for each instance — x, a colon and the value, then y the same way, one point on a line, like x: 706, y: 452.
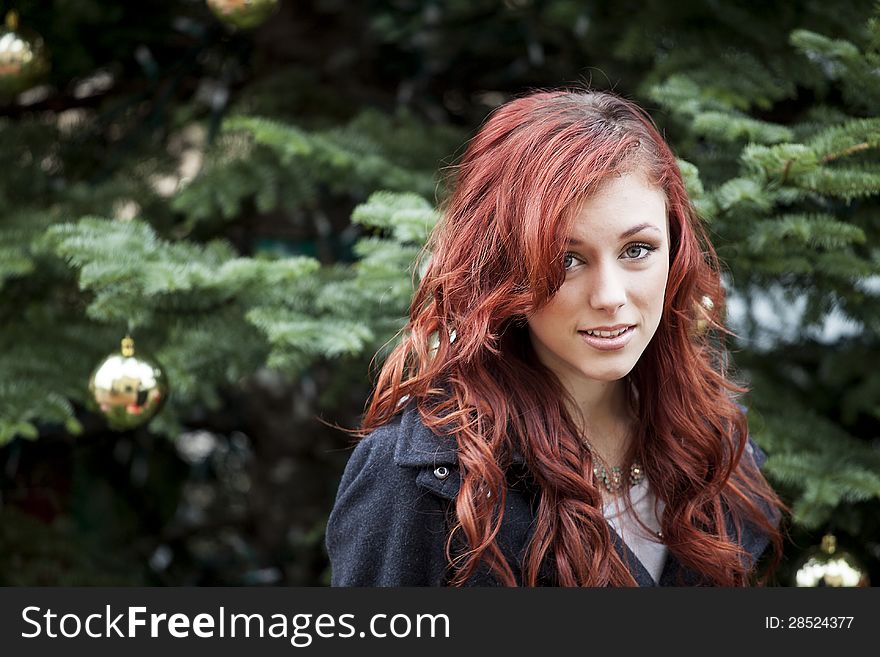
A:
x: 558, y: 412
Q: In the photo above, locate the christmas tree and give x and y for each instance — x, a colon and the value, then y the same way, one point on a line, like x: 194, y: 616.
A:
x: 787, y: 178
x: 249, y: 204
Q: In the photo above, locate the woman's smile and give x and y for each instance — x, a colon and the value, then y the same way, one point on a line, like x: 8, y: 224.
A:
x: 617, y: 340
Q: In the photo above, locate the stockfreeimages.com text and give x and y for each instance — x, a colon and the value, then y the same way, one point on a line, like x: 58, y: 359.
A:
x: 301, y: 629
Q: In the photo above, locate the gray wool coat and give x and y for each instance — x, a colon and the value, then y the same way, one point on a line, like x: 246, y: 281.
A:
x: 389, y: 524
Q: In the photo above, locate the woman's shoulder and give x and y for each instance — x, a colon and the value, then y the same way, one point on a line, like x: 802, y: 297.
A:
x: 754, y: 540
x: 406, y: 441
x: 752, y: 450
x: 384, y: 529
x: 755, y: 452
x: 404, y: 451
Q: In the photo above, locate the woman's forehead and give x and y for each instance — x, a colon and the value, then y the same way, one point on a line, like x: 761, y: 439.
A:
x: 623, y: 208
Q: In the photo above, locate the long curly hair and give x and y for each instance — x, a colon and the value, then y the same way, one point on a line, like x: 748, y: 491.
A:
x: 466, y: 360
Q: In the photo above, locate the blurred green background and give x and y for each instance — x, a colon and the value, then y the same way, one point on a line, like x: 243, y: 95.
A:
x: 243, y: 187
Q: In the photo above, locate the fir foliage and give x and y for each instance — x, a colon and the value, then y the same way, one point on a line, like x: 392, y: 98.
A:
x: 792, y: 204
x: 280, y: 237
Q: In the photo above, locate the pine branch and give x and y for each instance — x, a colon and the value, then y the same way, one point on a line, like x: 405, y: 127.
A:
x: 810, y: 231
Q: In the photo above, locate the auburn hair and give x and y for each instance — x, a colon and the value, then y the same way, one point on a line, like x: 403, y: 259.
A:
x: 465, y: 357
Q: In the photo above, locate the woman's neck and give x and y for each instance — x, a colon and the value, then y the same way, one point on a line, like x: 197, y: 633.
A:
x: 605, y: 419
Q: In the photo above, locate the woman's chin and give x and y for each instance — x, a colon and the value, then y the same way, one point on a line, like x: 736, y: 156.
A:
x: 606, y: 376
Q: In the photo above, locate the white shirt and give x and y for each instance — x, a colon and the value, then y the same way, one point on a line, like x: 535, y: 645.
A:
x: 647, y: 547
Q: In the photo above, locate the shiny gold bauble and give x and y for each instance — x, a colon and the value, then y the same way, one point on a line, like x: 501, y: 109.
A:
x: 828, y: 566
x: 243, y: 13
x: 24, y: 62
x: 127, y: 390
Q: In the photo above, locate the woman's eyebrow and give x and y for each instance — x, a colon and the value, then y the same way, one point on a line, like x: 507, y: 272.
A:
x: 627, y: 233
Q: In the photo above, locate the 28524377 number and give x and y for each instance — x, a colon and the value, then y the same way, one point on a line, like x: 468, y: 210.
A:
x: 808, y: 622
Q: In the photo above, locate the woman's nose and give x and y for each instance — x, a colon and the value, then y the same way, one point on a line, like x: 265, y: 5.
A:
x: 607, y: 289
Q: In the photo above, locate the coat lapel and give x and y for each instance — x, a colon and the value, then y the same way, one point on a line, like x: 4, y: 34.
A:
x: 636, y: 568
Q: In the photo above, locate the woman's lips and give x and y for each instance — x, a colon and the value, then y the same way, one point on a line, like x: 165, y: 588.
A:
x: 608, y: 344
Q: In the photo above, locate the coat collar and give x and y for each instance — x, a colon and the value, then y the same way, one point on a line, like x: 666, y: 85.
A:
x: 418, y: 447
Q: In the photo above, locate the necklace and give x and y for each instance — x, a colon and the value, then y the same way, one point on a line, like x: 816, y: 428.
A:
x: 612, y: 478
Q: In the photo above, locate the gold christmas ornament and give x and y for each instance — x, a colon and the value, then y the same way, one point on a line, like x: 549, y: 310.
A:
x: 24, y: 62
x: 127, y: 390
x: 828, y: 566
x: 244, y: 14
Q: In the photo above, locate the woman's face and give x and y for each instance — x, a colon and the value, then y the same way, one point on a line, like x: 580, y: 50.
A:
x: 617, y: 263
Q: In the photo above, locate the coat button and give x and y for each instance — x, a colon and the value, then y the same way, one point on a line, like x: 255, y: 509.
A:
x: 441, y: 472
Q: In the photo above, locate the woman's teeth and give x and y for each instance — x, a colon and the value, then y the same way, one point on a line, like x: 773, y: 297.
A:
x: 607, y: 334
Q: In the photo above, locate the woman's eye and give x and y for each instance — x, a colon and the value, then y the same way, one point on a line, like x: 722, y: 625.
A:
x: 633, y: 251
